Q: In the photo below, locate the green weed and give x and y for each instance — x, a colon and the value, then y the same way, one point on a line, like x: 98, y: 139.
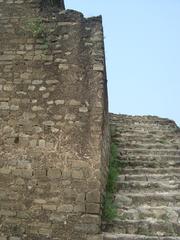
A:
x: 109, y: 207
x: 36, y: 28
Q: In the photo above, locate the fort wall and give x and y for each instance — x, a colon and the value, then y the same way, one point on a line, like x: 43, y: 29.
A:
x: 53, y: 122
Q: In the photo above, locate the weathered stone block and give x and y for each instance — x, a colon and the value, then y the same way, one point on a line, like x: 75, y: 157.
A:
x: 96, y: 237
x: 59, y: 102
x: 80, y: 208
x: 93, y: 197
x: 98, y: 67
x: 15, y: 238
x: 49, y: 207
x: 37, y: 82
x: 40, y: 201
x: 90, y: 218
x: 7, y: 213
x: 87, y: 228
x: 54, y: 173
x: 5, y: 170
x: 3, y: 238
x: 93, y: 208
x: 83, y: 109
x: 37, y: 108
x: 58, y: 218
x: 4, y: 105
x: 77, y: 174
x: 63, y: 67
x: 66, y: 208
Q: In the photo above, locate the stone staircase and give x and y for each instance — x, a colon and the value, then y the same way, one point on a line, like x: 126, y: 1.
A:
x: 148, y: 196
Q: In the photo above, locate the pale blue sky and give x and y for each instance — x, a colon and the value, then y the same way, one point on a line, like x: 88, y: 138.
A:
x: 142, y: 40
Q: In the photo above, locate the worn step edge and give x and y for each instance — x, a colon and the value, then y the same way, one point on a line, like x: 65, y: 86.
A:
x: 140, y: 170
x: 153, y: 194
x: 132, y: 186
x: 147, y: 207
x: 146, y: 147
x: 110, y: 236
x: 148, y: 156
x: 143, y: 213
x: 147, y: 227
x: 156, y: 151
x: 147, y: 176
x: 152, y: 164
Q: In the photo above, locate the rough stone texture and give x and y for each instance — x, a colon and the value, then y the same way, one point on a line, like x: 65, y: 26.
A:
x: 53, y: 122
x: 148, y: 196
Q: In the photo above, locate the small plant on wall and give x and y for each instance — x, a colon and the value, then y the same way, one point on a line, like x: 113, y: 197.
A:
x: 36, y: 28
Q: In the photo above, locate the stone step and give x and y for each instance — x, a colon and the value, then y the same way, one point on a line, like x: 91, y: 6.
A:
x: 148, y: 139
x: 146, y: 186
x: 125, y: 118
x: 148, y: 196
x: 147, y: 134
x: 153, y: 198
x: 149, y: 146
x: 171, y: 214
x: 147, y: 227
x: 152, y: 152
x: 144, y: 127
x: 149, y: 164
x: 143, y: 123
x: 148, y: 157
x: 140, y: 170
x: 114, y: 236
x: 148, y: 177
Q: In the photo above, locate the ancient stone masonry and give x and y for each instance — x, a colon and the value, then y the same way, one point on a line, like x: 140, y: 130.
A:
x: 148, y: 196
x: 53, y: 122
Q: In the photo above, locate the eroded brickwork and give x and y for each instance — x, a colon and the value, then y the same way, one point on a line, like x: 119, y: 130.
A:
x: 53, y: 122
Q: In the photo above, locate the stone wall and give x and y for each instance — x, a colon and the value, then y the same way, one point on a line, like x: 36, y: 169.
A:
x: 53, y: 122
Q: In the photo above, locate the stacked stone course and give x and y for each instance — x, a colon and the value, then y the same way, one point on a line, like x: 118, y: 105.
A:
x: 53, y: 123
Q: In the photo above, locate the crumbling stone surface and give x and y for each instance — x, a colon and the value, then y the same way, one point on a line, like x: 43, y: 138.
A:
x: 53, y: 122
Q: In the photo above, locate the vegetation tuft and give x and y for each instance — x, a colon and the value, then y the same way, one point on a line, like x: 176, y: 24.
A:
x: 109, y: 207
x: 36, y: 28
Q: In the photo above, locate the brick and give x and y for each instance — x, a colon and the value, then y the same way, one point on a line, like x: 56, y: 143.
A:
x: 37, y: 82
x: 37, y: 108
x: 88, y: 228
x: 78, y: 174
x: 83, y: 109
x: 7, y: 213
x: 49, y: 207
x: 66, y: 208
x: 5, y: 170
x: 54, y: 173
x: 4, y: 105
x: 93, y: 197
x: 3, y: 238
x: 93, y: 208
x: 98, y: 67
x: 40, y: 201
x: 59, y: 102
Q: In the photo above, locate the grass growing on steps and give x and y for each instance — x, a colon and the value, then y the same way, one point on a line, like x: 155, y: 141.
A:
x: 109, y: 207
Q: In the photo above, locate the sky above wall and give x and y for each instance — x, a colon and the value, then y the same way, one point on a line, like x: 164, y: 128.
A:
x: 142, y: 40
